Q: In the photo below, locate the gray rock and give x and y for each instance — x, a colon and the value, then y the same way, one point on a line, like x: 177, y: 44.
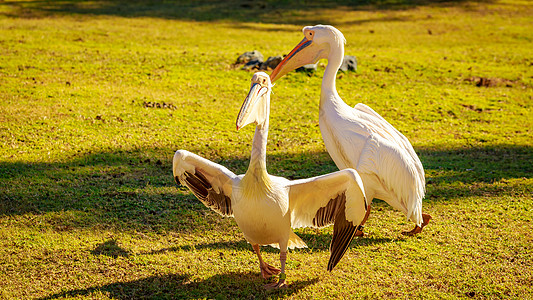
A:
x: 249, y: 56
x: 271, y: 63
x: 310, y: 68
x: 253, y: 64
x: 349, y: 63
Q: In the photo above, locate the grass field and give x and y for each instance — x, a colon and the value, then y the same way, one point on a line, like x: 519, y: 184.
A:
x: 88, y: 205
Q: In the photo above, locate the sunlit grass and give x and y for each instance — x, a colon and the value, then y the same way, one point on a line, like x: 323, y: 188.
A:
x: 88, y: 205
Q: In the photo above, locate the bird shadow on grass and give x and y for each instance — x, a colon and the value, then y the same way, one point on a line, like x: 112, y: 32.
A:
x: 183, y: 286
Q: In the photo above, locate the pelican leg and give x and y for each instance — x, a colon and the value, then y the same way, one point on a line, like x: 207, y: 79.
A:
x: 281, y: 283
x: 359, y: 229
x: 267, y: 270
x: 418, y: 229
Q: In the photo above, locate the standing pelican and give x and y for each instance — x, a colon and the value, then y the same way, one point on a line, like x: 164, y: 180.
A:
x: 265, y: 207
x: 359, y: 137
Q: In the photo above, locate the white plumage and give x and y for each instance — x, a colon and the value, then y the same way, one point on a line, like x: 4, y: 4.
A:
x: 265, y: 207
x: 359, y: 137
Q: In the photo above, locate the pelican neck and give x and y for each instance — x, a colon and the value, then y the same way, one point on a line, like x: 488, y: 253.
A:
x: 258, y: 155
x: 328, y: 87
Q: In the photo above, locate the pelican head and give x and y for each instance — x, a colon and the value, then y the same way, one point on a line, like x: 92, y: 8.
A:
x: 315, y: 45
x: 256, y: 105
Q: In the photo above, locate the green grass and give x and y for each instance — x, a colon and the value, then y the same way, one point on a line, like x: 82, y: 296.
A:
x: 88, y: 205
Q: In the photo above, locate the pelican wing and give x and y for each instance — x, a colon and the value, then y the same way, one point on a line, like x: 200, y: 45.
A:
x: 398, y: 173
x: 394, y: 135
x: 211, y: 183
x: 378, y: 120
x: 337, y: 198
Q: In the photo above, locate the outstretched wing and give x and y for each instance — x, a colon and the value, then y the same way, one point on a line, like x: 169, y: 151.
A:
x: 337, y: 198
x: 211, y: 183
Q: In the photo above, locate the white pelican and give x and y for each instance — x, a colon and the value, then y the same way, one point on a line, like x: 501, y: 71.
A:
x: 265, y: 207
x: 359, y: 137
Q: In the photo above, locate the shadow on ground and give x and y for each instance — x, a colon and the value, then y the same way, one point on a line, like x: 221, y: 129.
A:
x: 127, y: 190
x: 110, y: 248
x: 178, y: 286
x: 266, y: 11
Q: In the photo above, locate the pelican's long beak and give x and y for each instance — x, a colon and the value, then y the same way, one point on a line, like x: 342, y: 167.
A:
x: 306, y: 52
x: 251, y: 110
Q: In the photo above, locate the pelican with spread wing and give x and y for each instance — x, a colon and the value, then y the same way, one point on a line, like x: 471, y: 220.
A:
x: 266, y: 207
x: 358, y: 137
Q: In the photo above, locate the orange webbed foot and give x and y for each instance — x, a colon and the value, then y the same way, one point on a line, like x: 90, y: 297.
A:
x: 268, y: 271
x: 418, y: 229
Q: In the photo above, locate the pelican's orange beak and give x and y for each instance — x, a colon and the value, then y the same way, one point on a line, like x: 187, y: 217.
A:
x: 306, y: 52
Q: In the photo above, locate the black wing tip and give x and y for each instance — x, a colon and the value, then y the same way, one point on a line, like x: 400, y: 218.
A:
x: 339, y: 245
x: 334, y: 260
x: 330, y: 266
x: 336, y: 257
